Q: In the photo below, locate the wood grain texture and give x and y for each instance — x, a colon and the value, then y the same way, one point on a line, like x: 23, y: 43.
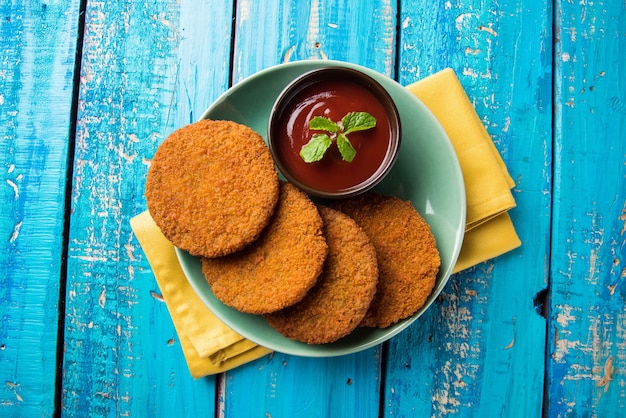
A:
x: 587, y: 336
x: 37, y: 49
x: 281, y: 385
x: 479, y: 350
x: 147, y: 69
x: 268, y: 33
x: 554, y: 104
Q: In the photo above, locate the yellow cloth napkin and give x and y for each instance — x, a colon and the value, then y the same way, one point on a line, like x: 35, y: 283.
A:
x: 211, y: 347
x: 489, y: 231
x: 208, y: 344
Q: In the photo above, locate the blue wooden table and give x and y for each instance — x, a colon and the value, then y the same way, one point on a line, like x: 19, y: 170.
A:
x: 89, y: 89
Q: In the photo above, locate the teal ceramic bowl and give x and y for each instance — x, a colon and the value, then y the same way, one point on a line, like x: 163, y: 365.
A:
x: 426, y: 171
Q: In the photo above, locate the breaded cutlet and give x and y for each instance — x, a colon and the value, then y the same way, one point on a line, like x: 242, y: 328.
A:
x: 212, y: 187
x: 408, y: 259
x: 279, y: 268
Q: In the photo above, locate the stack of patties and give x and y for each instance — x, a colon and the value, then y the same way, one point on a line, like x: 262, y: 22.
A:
x: 337, y: 303
x: 313, y: 272
x: 408, y: 259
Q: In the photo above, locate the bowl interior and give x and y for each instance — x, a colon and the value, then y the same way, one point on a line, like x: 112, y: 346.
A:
x: 426, y: 172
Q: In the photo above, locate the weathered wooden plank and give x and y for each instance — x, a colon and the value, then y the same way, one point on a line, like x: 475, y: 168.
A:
x: 587, y: 334
x: 147, y: 69
x: 361, y: 32
x: 268, y: 33
x: 281, y: 385
x: 37, y: 52
x: 479, y: 350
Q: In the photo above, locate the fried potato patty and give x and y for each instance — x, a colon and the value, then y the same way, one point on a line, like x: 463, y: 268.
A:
x: 212, y: 187
x: 408, y: 259
x: 335, y: 306
x: 280, y: 267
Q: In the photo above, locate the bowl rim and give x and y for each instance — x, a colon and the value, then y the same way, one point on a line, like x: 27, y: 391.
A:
x: 315, y: 76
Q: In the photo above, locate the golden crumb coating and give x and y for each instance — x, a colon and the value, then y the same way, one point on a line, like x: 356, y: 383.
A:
x: 408, y: 259
x: 212, y: 187
x: 280, y: 267
x: 344, y: 291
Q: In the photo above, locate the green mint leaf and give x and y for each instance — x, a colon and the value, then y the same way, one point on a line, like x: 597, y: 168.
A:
x: 357, y: 121
x: 345, y: 148
x: 315, y: 149
x: 320, y: 123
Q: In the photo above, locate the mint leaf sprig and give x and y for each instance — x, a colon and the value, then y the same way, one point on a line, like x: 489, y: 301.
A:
x: 319, y: 143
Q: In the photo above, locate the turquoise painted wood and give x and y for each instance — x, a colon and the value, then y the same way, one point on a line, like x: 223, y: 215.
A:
x: 280, y: 385
x: 361, y: 32
x: 37, y: 50
x: 147, y: 68
x: 587, y: 336
x: 538, y: 331
x: 479, y: 351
